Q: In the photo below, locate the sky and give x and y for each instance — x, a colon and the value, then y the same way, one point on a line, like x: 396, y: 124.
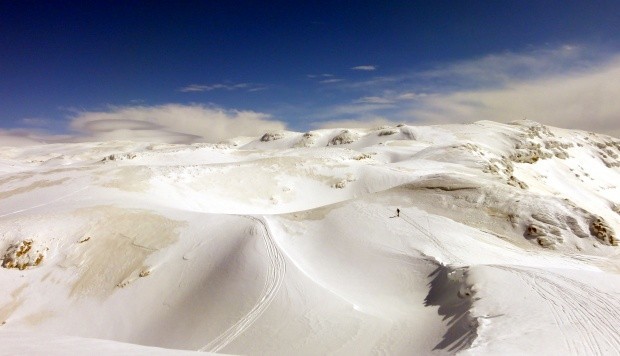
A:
x: 189, y: 71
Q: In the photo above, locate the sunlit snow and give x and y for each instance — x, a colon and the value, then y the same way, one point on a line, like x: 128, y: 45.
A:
x: 289, y: 243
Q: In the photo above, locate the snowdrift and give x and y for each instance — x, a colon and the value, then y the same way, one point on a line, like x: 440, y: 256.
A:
x: 289, y: 243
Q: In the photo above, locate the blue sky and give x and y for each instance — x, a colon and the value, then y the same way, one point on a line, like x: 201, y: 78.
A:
x: 304, y: 65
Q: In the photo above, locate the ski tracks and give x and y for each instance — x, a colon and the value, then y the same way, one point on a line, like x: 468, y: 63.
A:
x: 592, y: 312
x: 574, y: 305
x: 273, y: 282
x: 434, y: 239
x: 47, y: 202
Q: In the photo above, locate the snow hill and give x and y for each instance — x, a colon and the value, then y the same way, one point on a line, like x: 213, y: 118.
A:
x: 289, y: 244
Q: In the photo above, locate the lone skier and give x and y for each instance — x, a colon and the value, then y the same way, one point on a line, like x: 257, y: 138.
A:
x: 397, y: 212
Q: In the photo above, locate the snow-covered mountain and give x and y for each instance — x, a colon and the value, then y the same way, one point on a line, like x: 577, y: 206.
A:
x: 290, y: 243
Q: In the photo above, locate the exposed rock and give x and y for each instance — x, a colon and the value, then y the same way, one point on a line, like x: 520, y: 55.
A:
x: 343, y: 138
x: 558, y: 148
x: 545, y: 241
x: 407, y: 132
x: 271, y: 136
x: 307, y: 139
x: 119, y: 157
x: 387, y: 132
x: 602, y: 231
x: 343, y: 182
x: 499, y: 166
x: 529, y: 153
x: 534, y: 230
x: 541, y: 235
x: 504, y: 168
x: 512, y: 180
x: 363, y: 156
x: 21, y: 255
x: 608, y: 150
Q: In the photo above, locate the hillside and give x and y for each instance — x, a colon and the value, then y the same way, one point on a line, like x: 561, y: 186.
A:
x: 289, y: 243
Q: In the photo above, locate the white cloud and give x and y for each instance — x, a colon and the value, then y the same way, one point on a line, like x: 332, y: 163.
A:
x: 374, y: 100
x: 324, y: 75
x: 172, y: 123
x: 258, y: 88
x: 568, y: 86
x: 578, y: 99
x: 390, y: 97
x: 493, y: 70
x: 27, y: 137
x: 366, y: 108
x: 18, y: 138
x: 365, y: 68
x: 333, y: 80
x: 409, y: 96
x: 505, y: 67
x: 194, y: 88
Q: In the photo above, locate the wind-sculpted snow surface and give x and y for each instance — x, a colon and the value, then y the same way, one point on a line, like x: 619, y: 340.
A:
x: 291, y: 243
x: 273, y: 282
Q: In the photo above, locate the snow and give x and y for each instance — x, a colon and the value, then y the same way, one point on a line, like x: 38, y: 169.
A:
x: 288, y: 243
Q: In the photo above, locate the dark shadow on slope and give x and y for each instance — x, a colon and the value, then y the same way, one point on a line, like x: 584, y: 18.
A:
x: 189, y: 321
x: 454, y: 304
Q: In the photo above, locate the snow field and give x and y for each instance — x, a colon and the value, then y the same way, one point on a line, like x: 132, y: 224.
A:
x: 288, y: 243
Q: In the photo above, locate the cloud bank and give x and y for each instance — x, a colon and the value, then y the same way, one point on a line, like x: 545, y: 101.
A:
x: 569, y: 86
x: 171, y: 123
x: 28, y: 137
x: 587, y: 101
x: 578, y: 99
x: 18, y: 138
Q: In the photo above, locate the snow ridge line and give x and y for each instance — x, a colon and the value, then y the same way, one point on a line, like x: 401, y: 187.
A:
x: 273, y: 282
x: 590, y: 310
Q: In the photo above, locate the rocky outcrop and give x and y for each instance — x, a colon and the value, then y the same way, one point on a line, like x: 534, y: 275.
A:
x: 271, y: 136
x: 602, y: 231
x: 343, y: 138
x: 22, y: 255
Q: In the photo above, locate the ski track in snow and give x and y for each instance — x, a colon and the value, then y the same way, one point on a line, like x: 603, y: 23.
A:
x: 273, y: 282
x: 46, y: 203
x: 434, y: 240
x: 592, y: 312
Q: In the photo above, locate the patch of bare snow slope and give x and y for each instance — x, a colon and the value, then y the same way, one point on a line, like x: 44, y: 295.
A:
x: 525, y: 310
x: 273, y: 282
x: 161, y: 281
x: 289, y: 243
x: 29, y: 343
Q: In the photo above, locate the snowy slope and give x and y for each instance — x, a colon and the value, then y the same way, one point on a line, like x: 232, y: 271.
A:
x: 288, y: 243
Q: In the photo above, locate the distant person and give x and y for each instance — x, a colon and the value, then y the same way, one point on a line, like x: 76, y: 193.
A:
x: 397, y: 212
